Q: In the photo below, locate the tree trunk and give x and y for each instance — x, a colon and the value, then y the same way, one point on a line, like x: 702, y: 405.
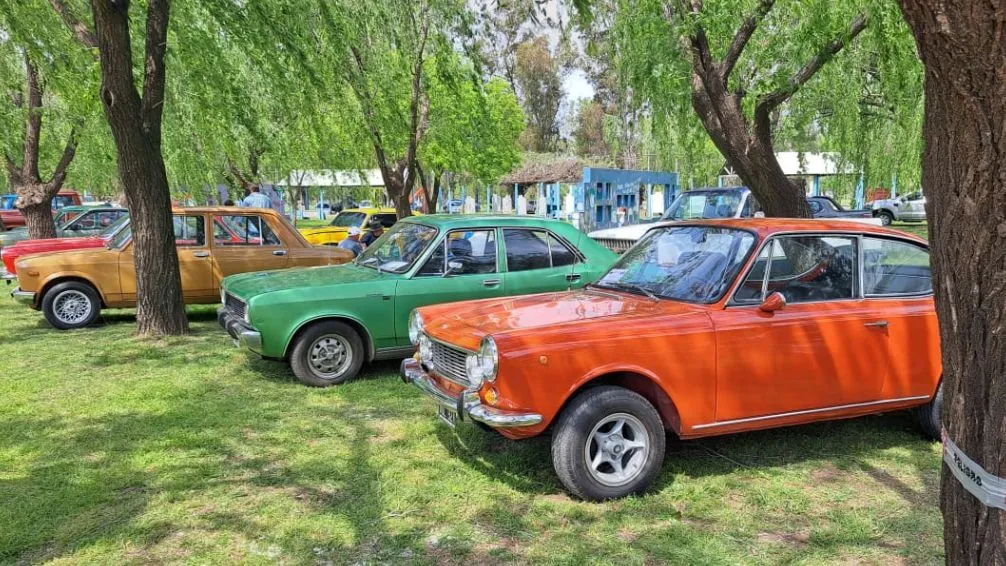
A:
x: 38, y: 220
x: 964, y: 172
x: 136, y: 130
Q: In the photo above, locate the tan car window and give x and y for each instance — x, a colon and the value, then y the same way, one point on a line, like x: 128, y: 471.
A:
x: 243, y: 230
x: 189, y: 231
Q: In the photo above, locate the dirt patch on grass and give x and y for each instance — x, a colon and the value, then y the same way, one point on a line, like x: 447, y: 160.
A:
x: 798, y: 540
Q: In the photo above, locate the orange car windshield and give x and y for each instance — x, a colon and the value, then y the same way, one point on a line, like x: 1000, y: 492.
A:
x: 694, y: 264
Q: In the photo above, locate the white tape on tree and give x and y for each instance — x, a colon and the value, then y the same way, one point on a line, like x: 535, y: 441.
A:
x: 989, y: 489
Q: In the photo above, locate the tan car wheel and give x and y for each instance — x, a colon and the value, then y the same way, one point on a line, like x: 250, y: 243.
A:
x: 71, y: 305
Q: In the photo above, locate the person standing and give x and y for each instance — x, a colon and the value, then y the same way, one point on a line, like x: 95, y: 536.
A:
x: 374, y: 231
x: 256, y: 199
x: 352, y: 242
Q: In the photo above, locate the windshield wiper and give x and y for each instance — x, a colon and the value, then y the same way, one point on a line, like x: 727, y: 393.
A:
x: 632, y: 287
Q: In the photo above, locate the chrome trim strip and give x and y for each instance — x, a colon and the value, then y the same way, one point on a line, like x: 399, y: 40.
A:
x: 810, y: 412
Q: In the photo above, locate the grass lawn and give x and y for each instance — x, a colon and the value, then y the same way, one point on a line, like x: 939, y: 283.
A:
x: 119, y: 450
x: 920, y: 229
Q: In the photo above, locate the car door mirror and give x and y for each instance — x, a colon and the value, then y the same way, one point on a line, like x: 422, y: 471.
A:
x: 453, y: 268
x: 773, y: 302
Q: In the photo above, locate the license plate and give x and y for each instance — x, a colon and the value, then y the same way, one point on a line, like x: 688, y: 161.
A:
x: 447, y: 415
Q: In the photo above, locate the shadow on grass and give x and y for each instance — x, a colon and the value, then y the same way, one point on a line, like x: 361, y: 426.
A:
x: 526, y: 465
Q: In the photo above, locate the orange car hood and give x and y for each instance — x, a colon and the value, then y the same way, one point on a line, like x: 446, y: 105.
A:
x: 465, y: 324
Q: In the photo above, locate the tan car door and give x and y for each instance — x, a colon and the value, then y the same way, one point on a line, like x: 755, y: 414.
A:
x: 246, y: 242
x: 194, y: 261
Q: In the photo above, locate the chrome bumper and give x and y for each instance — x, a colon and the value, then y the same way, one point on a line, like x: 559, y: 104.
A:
x: 7, y: 276
x: 23, y: 297
x: 243, y: 334
x: 468, y: 404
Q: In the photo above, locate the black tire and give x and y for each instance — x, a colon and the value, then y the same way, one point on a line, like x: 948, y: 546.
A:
x: 71, y: 305
x: 340, y: 337
x: 572, y: 443
x: 929, y: 415
x: 886, y: 218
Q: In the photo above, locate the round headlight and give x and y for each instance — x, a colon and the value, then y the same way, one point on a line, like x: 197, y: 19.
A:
x: 425, y: 349
x: 473, y: 370
x: 488, y: 359
x: 415, y: 326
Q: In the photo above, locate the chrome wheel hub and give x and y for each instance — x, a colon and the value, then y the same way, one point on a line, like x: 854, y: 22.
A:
x: 617, y: 449
x: 330, y: 356
x: 71, y: 307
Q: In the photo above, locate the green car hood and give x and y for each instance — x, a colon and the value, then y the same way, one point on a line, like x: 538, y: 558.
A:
x: 248, y: 285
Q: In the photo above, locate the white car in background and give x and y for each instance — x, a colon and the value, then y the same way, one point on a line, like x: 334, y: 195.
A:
x: 726, y: 202
x: 907, y: 208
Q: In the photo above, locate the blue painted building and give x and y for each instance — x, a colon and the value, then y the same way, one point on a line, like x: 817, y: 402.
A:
x: 612, y: 197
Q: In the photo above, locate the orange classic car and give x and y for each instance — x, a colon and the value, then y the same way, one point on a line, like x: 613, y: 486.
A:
x: 701, y: 328
x: 71, y: 287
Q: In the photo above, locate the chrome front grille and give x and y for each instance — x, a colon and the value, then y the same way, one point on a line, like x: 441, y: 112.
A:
x: 449, y: 362
x: 616, y: 245
x: 234, y: 305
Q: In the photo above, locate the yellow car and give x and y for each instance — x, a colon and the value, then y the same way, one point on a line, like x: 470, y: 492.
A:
x: 338, y: 229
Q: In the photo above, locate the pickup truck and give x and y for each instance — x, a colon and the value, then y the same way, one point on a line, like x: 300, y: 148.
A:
x: 827, y: 207
x: 907, y: 208
x: 11, y: 217
x: 725, y: 202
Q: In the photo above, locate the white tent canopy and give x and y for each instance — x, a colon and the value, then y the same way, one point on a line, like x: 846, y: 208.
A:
x: 329, y: 178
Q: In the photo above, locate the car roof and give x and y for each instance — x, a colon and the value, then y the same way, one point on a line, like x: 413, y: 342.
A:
x: 179, y: 209
x: 369, y: 210
x: 765, y: 227
x: 473, y: 220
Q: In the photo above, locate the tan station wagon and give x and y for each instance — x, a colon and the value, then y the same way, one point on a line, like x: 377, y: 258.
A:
x: 72, y: 287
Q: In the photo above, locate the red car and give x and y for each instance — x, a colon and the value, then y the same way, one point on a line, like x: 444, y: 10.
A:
x: 11, y: 217
x: 10, y: 254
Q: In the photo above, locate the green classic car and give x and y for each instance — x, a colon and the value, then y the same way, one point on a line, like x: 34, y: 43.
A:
x: 328, y: 321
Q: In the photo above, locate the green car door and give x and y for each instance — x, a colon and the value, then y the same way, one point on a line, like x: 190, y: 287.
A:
x: 539, y: 261
x: 464, y: 265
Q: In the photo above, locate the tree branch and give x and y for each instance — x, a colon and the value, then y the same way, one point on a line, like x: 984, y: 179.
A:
x: 365, y: 100
x: 33, y: 126
x: 59, y: 174
x: 152, y: 106
x: 769, y: 102
x: 76, y: 26
x: 744, y: 34
x: 417, y: 115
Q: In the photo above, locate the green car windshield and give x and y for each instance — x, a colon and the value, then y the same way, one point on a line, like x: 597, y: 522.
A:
x: 694, y: 264
x: 398, y: 248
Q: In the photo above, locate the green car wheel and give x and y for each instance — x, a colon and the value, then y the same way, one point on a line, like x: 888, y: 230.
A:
x: 327, y: 353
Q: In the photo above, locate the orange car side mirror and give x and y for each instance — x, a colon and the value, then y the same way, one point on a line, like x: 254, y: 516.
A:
x: 772, y: 303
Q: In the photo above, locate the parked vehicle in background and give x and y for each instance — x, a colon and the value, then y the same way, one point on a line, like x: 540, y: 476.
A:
x: 11, y: 217
x: 704, y: 328
x: 73, y: 221
x: 454, y: 206
x: 826, y: 207
x: 10, y: 254
x: 338, y: 229
x: 71, y: 288
x: 907, y: 208
x: 328, y: 322
x: 706, y: 204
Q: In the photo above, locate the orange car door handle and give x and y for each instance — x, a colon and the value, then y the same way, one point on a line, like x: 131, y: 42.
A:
x: 878, y: 324
x: 279, y: 252
x: 201, y: 254
x: 491, y: 282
